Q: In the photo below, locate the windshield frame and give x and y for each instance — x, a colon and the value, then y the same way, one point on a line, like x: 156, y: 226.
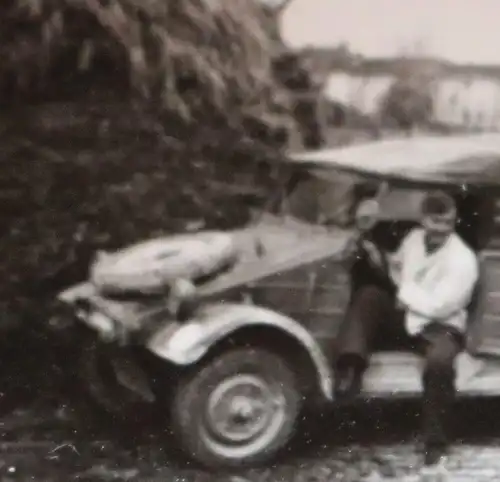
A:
x: 277, y: 204
x: 273, y: 204
x: 380, y: 191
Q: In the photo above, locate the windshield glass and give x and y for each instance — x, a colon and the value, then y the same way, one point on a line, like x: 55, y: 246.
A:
x: 313, y: 200
x: 316, y: 200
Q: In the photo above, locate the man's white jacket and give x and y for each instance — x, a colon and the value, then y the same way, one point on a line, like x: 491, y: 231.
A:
x: 437, y: 286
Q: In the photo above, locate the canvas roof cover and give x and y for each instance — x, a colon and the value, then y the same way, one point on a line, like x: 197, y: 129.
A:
x: 454, y: 161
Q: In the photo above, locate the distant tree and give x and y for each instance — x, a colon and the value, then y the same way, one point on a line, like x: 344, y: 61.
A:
x: 409, y: 101
x: 294, y: 72
x: 406, y: 105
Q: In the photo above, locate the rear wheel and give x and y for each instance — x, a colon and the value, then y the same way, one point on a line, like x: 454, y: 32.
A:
x: 239, y: 409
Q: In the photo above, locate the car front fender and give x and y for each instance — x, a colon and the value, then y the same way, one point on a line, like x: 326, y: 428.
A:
x: 185, y: 344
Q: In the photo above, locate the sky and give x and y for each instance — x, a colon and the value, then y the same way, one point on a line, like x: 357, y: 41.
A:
x: 465, y: 31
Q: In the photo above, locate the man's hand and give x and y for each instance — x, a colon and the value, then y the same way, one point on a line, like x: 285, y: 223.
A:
x: 375, y: 255
x: 351, y: 252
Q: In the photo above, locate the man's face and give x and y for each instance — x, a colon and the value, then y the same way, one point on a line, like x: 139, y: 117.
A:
x: 367, y: 215
x: 438, y: 226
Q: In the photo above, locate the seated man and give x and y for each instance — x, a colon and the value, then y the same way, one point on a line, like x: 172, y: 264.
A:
x: 434, y: 274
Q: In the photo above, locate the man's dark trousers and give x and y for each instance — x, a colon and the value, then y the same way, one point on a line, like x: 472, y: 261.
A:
x: 372, y: 311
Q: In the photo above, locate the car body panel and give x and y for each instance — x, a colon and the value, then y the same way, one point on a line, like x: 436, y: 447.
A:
x: 186, y: 344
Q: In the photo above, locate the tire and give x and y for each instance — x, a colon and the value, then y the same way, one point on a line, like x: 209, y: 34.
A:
x: 195, y: 397
x: 152, y: 265
x: 101, y: 386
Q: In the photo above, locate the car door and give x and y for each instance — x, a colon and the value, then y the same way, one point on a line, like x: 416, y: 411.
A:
x: 484, y: 328
x: 329, y: 297
x: 315, y: 294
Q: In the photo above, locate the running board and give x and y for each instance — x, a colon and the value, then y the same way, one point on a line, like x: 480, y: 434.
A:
x: 393, y: 374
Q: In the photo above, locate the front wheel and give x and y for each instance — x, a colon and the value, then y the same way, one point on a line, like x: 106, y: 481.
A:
x: 238, y: 409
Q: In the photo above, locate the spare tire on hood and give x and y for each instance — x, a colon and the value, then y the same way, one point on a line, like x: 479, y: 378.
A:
x: 152, y: 266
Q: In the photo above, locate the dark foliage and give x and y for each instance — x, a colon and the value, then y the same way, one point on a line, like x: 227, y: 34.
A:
x: 122, y: 120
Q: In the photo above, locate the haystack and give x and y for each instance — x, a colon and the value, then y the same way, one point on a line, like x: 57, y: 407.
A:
x: 122, y: 113
x: 118, y: 119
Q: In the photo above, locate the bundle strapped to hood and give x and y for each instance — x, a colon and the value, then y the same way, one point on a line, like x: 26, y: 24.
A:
x: 152, y: 266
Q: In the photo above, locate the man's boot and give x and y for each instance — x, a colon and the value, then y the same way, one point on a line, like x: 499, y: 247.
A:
x: 348, y: 383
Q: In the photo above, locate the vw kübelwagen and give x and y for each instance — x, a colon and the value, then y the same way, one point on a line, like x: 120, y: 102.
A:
x: 233, y: 334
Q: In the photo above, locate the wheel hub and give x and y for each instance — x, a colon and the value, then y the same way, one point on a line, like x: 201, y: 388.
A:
x: 241, y: 408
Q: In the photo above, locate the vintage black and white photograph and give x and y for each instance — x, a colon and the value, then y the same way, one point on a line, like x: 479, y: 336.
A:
x: 250, y: 240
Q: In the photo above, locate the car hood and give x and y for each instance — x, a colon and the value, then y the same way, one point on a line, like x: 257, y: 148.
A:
x: 269, y: 247
x: 273, y: 236
x: 273, y: 246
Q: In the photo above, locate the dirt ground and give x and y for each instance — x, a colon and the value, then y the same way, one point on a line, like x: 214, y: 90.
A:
x: 372, y: 442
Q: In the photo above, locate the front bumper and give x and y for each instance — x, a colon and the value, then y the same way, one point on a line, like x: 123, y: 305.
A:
x: 123, y: 355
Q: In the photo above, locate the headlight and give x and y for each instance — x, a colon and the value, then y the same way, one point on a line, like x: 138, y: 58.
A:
x: 104, y: 325
x: 181, y: 298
